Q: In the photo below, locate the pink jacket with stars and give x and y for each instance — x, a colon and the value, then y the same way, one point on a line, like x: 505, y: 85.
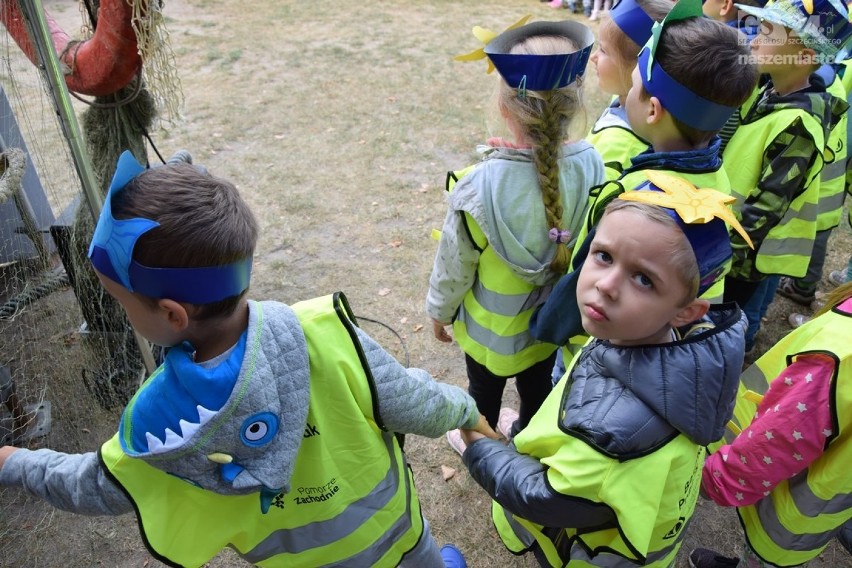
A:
x: 789, y: 431
x: 789, y: 467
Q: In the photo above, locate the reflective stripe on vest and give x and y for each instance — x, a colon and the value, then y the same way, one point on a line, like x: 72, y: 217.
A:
x: 493, y: 322
x: 833, y: 175
x: 787, y: 247
x: 652, y: 511
x: 817, y: 501
x: 321, y: 533
x: 520, y: 535
x: 351, y: 501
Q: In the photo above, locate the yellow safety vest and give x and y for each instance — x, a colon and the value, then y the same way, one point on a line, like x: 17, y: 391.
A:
x: 616, y: 143
x: 492, y: 325
x: 846, y: 79
x: 352, y: 500
x: 652, y: 510
x: 798, y: 519
x: 788, y: 245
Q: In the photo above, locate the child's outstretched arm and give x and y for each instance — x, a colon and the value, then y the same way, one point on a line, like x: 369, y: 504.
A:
x: 788, y: 433
x: 71, y: 482
x: 519, y: 483
x: 410, y: 401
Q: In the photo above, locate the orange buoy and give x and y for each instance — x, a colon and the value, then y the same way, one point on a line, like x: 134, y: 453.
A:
x: 98, y: 66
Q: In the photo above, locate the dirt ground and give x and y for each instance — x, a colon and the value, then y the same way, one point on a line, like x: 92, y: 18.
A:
x: 338, y: 122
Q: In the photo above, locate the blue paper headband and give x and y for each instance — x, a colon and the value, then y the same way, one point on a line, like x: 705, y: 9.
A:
x: 632, y: 20
x: 689, y: 108
x: 541, y: 72
x: 111, y: 253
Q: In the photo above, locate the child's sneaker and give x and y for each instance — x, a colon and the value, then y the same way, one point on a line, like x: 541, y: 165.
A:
x: 555, y: 4
x: 787, y: 287
x: 454, y: 438
x: 706, y: 558
x: 797, y: 320
x: 506, y: 421
x: 837, y: 277
x: 452, y: 557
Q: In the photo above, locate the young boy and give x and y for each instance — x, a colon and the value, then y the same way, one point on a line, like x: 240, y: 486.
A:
x: 268, y: 429
x: 725, y: 11
x: 620, y: 38
x: 607, y: 472
x: 683, y: 90
x: 775, y: 155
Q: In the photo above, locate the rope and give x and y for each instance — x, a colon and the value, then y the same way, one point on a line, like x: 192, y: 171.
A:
x: 392, y: 330
x: 13, y: 163
x: 30, y: 294
x: 137, y: 88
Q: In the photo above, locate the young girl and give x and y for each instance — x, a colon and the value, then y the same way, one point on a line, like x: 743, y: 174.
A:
x: 620, y: 38
x: 787, y: 472
x: 512, y: 218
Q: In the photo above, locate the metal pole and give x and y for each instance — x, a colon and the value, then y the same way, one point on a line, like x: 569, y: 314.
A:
x: 37, y: 25
x: 33, y: 12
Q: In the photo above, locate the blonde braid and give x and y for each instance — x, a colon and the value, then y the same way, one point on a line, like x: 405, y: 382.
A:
x: 546, y: 135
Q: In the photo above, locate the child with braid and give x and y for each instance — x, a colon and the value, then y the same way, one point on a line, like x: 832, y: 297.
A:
x: 513, y: 218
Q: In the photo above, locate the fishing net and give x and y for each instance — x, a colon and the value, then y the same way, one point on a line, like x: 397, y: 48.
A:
x: 68, y: 358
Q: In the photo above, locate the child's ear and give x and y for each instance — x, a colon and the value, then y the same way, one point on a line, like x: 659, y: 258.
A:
x: 655, y: 111
x: 727, y: 8
x: 694, y: 310
x: 176, y: 314
x: 809, y: 54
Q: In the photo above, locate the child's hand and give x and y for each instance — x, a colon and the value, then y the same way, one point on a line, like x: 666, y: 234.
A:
x: 481, y: 430
x: 470, y: 436
x: 440, y: 332
x: 5, y: 452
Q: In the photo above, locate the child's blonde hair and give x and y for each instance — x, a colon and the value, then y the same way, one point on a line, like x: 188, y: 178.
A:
x: 623, y: 49
x: 835, y: 298
x: 682, y: 256
x: 545, y: 118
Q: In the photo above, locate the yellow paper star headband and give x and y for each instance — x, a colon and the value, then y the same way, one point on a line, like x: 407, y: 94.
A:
x: 485, y: 36
x: 701, y: 214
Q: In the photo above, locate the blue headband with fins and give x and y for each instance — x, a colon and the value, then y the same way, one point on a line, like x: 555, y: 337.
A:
x: 111, y: 253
